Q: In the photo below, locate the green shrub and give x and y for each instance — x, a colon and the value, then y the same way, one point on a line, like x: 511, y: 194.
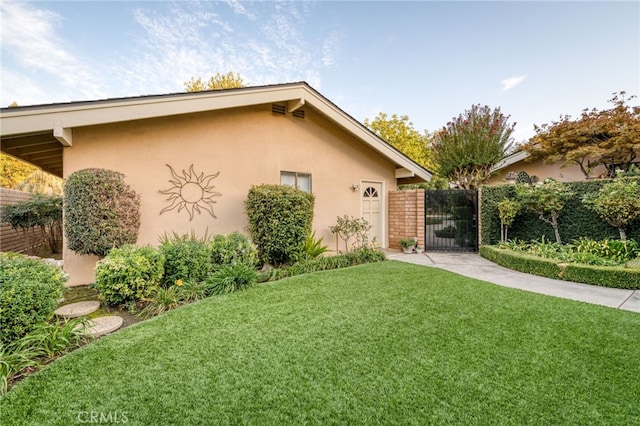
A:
x: 352, y: 258
x: 522, y: 262
x: 129, y: 274
x: 231, y: 278
x: 446, y: 232
x: 100, y: 211
x: 577, y: 219
x: 607, y: 276
x: 280, y: 219
x: 186, y: 257
x: 29, y: 291
x: 232, y: 249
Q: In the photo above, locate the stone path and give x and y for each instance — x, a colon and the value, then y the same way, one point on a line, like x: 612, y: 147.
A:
x: 96, y: 326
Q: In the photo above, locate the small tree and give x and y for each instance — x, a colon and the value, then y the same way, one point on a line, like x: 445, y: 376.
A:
x: 607, y: 137
x: 348, y: 227
x: 468, y: 147
x: 617, y: 203
x: 508, y: 209
x: 400, y: 133
x: 216, y: 82
x: 547, y: 200
x: 101, y: 211
x: 280, y: 219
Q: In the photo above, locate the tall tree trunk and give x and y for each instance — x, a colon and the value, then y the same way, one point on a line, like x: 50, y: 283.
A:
x: 623, y: 234
x: 557, y: 234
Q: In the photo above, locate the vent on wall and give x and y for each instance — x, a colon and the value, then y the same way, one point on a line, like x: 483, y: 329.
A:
x: 279, y: 109
x: 299, y: 113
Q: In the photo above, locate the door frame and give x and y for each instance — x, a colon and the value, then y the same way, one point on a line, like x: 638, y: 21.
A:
x: 383, y: 207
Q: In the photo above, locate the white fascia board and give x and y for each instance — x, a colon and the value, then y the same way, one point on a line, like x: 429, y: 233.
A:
x: 46, y: 119
x: 512, y: 159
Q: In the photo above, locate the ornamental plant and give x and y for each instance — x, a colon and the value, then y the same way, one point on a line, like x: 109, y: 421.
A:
x: 280, y: 218
x: 101, y: 211
x: 617, y: 203
x: 29, y: 293
x: 470, y: 145
x: 508, y: 209
x: 186, y: 257
x: 129, y: 274
x: 547, y: 200
x: 348, y: 227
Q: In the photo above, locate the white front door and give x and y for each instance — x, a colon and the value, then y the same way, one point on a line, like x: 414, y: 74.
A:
x: 372, y: 202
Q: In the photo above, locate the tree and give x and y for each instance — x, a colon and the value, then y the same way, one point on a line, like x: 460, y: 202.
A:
x: 13, y: 171
x: 399, y: 132
x: 617, y: 203
x: 508, y: 209
x: 219, y: 81
x: 547, y: 200
x: 609, y: 137
x: 467, y: 148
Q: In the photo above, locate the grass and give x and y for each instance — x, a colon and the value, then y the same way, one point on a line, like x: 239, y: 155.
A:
x: 385, y: 343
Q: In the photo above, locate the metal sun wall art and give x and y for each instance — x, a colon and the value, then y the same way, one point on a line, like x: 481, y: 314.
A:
x: 191, y: 191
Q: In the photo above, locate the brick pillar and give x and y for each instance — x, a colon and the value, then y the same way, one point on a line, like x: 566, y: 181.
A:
x: 406, y: 216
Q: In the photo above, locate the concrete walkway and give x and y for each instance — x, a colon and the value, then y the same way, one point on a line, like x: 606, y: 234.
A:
x: 474, y: 266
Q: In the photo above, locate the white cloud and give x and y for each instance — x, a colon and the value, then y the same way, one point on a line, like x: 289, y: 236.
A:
x: 263, y: 42
x: 330, y: 48
x: 512, y: 82
x: 30, y: 37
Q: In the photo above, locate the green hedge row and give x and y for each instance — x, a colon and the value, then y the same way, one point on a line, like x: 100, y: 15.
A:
x: 575, y: 219
x: 522, y: 262
x: 607, y: 276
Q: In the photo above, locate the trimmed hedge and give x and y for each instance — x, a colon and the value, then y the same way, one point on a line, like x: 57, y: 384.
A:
x: 575, y: 221
x: 517, y: 261
x: 280, y: 219
x: 29, y: 293
x: 101, y: 211
x: 607, y: 276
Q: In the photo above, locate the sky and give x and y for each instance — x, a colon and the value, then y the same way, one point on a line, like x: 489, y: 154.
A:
x: 427, y: 60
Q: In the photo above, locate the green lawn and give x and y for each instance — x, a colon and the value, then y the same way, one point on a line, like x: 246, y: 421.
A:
x: 386, y: 343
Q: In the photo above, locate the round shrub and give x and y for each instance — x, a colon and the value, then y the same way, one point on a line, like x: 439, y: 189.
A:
x: 129, y: 273
x: 187, y: 258
x: 29, y: 291
x: 232, y: 249
x: 280, y: 218
x: 100, y: 211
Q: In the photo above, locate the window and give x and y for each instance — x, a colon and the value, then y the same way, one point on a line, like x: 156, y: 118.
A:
x: 301, y: 181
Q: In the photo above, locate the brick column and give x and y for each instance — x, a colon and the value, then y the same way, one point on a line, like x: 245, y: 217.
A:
x: 406, y: 216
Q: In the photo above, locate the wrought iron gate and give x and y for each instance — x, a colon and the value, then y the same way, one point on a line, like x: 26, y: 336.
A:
x: 451, y: 220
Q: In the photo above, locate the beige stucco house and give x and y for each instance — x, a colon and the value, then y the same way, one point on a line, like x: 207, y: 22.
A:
x: 520, y: 161
x: 193, y: 156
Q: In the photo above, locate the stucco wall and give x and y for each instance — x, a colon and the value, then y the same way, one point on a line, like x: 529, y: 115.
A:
x: 247, y: 146
x: 544, y: 171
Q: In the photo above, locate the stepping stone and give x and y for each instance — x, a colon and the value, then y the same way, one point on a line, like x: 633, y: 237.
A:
x: 74, y: 310
x: 102, y: 325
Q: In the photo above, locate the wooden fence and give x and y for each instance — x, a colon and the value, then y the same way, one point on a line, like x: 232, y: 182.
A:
x: 10, y: 239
